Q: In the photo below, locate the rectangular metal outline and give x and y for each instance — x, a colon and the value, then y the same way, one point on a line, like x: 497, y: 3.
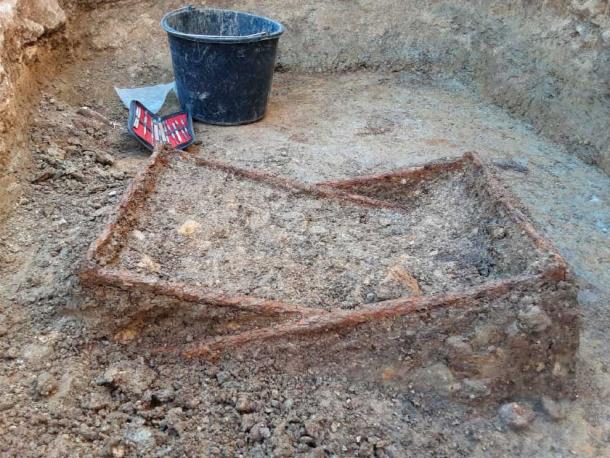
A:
x: 306, y: 320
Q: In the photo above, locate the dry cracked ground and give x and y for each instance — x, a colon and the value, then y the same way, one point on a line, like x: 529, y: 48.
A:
x: 69, y: 390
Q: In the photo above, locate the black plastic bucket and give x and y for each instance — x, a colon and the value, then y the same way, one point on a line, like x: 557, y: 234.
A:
x: 223, y: 62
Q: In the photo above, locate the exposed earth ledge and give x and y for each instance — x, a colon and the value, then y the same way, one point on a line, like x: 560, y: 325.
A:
x: 548, y: 63
x: 28, y: 38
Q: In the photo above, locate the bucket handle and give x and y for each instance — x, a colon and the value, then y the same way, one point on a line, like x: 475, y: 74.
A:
x: 232, y: 37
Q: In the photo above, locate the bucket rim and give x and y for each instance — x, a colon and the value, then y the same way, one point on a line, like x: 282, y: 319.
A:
x: 220, y: 38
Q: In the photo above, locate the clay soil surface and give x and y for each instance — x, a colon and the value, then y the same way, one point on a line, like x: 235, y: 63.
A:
x: 70, y: 391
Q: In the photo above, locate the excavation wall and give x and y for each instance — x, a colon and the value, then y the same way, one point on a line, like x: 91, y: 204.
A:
x: 547, y: 62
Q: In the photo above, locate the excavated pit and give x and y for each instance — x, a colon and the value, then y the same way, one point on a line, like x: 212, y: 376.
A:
x: 267, y: 259
x: 219, y: 231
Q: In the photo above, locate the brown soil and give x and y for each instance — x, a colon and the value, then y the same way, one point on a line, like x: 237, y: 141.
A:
x: 70, y: 390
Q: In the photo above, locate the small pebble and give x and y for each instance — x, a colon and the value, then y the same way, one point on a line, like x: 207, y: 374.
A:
x: 498, y: 233
x: 247, y: 422
x: 222, y: 377
x: 534, y: 319
x: 244, y: 405
x: 259, y: 432
x: 288, y: 404
x: 516, y: 416
x: 307, y: 440
x: 46, y: 384
x: 43, y: 176
x: 511, y: 164
x: 553, y: 409
x: 104, y: 158
x: 163, y: 396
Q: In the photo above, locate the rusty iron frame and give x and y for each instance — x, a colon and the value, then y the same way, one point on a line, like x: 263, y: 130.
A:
x: 301, y: 320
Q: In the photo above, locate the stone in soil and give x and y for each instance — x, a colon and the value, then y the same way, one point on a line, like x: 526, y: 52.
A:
x: 259, y: 432
x: 104, y: 158
x: 534, y: 319
x: 556, y: 410
x: 244, y: 405
x: 131, y: 377
x: 516, y: 416
x: 46, y: 384
x: 98, y: 399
